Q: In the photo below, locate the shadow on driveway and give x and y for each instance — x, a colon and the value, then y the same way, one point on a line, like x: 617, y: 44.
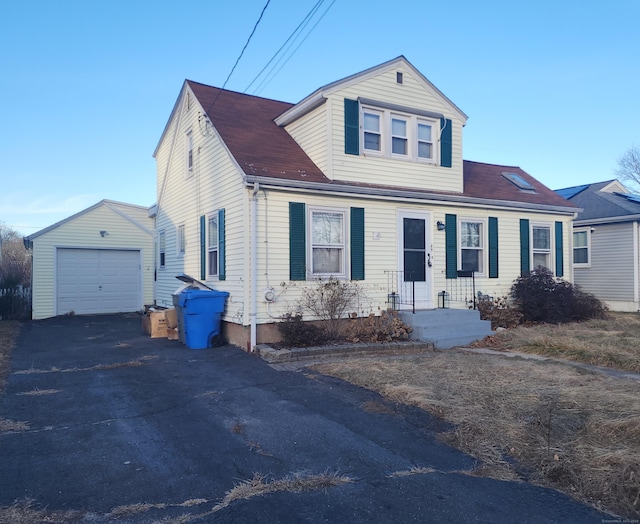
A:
x: 121, y: 425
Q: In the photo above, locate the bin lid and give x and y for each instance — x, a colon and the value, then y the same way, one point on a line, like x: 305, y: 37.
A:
x: 192, y: 281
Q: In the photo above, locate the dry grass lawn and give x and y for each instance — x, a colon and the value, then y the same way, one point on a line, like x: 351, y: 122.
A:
x: 612, y: 342
x: 9, y: 330
x: 541, y: 421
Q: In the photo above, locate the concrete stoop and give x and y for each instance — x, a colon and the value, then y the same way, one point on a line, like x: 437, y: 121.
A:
x: 447, y: 328
x: 274, y: 356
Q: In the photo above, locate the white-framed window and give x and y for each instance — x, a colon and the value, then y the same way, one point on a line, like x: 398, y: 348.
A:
x: 327, y: 249
x: 162, y: 249
x: 472, y: 242
x: 398, y: 135
x: 425, y: 140
x: 541, y: 245
x: 181, y: 240
x: 582, y: 248
x: 372, y: 130
x: 212, y: 245
x: 189, y: 152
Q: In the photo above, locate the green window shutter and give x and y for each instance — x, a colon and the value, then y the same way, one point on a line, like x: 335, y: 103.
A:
x: 493, y: 247
x: 525, y: 263
x: 357, y: 243
x: 203, y: 248
x: 351, y: 127
x: 222, y: 273
x: 559, y: 254
x: 451, y: 243
x: 297, y: 244
x: 446, y: 142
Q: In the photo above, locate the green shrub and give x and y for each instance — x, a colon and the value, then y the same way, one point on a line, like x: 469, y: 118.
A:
x: 297, y: 333
x: 541, y: 297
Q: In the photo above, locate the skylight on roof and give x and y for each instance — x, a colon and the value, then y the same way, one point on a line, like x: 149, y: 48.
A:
x: 518, y: 181
x: 570, y: 192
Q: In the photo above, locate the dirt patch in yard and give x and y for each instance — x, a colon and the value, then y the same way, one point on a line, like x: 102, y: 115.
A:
x: 543, y: 422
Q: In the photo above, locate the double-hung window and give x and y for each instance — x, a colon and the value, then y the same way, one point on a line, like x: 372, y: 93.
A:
x: 472, y: 246
x: 581, y: 243
x: 189, y: 148
x: 327, y: 246
x: 372, y: 125
x: 162, y: 248
x: 399, y: 136
x: 212, y: 245
x: 181, y: 240
x: 425, y: 140
x: 541, y: 240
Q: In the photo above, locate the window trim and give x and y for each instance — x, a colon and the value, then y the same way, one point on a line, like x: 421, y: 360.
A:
x: 586, y: 230
x: 386, y: 117
x: 211, y: 249
x: 181, y: 240
x: 344, y: 260
x: 189, y: 157
x: 162, y: 249
x: 550, y: 251
x: 484, y: 243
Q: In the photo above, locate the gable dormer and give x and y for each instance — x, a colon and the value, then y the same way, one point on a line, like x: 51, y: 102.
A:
x: 387, y: 125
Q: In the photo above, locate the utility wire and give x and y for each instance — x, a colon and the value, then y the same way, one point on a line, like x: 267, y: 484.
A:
x: 302, y: 24
x: 239, y: 57
x: 265, y: 82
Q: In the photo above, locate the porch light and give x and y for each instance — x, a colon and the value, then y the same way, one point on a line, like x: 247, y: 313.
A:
x: 394, y: 300
x: 441, y: 225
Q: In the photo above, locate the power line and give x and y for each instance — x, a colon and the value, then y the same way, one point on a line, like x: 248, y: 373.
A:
x: 265, y: 82
x: 240, y: 56
x: 304, y: 22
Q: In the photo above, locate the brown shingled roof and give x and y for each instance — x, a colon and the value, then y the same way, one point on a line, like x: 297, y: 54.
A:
x: 246, y: 126
x: 262, y: 148
x: 486, y: 181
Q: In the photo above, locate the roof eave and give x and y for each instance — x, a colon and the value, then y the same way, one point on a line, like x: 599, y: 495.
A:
x: 375, y: 192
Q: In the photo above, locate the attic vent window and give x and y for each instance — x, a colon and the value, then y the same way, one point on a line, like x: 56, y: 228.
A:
x: 399, y: 77
x: 519, y: 182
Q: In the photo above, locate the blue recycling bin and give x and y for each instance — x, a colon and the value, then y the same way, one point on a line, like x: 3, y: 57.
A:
x: 201, y: 312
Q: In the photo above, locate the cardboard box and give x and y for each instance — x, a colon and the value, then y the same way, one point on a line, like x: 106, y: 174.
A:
x: 172, y: 317
x: 154, y: 323
x: 172, y: 333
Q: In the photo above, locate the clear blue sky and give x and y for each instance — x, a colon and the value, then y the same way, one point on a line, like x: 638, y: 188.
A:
x: 86, y: 87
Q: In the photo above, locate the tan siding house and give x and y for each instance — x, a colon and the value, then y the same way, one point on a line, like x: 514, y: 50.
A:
x: 363, y: 180
x: 100, y: 260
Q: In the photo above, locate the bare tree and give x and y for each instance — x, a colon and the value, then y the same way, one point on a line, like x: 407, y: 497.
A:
x: 629, y: 166
x: 15, y: 259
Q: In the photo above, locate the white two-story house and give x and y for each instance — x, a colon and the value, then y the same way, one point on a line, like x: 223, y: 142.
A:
x: 364, y: 179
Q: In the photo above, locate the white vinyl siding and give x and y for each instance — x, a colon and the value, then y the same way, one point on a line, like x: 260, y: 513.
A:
x: 83, y: 232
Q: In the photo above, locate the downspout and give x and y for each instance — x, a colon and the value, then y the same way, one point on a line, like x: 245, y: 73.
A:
x: 254, y: 266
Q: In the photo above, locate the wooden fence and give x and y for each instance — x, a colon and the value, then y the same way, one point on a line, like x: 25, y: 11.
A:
x: 15, y: 303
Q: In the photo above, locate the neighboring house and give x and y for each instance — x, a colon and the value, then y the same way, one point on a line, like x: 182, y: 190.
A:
x: 606, y: 245
x: 100, y: 260
x: 363, y: 180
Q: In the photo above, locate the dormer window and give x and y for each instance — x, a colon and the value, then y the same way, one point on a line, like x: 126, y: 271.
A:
x: 372, y: 131
x: 397, y: 135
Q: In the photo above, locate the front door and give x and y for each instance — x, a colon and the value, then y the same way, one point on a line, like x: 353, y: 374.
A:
x: 414, y: 260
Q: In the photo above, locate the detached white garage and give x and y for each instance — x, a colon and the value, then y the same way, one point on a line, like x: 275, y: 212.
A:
x: 100, y: 260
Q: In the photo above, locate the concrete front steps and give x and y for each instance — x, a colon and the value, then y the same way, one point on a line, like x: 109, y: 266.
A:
x: 447, y: 328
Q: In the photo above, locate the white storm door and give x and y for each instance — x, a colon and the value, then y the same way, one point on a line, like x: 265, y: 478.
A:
x: 414, y: 260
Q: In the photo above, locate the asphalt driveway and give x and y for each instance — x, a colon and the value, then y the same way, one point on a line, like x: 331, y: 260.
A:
x: 115, y: 419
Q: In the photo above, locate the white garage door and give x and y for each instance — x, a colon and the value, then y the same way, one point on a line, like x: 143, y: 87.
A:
x: 98, y: 281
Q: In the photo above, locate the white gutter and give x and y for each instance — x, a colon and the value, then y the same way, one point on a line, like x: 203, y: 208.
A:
x: 253, y: 316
